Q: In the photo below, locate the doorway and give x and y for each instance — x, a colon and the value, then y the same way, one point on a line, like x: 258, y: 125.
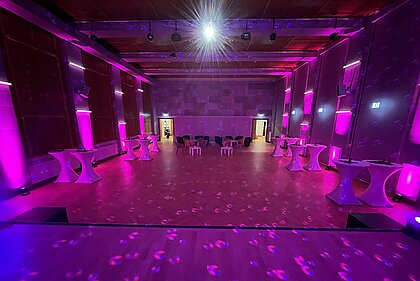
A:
x: 259, y: 129
x: 166, y: 129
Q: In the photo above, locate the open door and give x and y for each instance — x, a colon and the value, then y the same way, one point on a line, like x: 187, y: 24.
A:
x: 259, y: 129
x: 166, y: 129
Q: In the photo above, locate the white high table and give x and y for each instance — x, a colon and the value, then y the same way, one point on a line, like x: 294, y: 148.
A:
x: 87, y: 175
x: 277, y: 147
x: 130, y: 145
x: 294, y: 164
x: 144, y: 146
x: 380, y: 171
x: 155, y: 147
x: 67, y: 174
x: 343, y: 194
x: 290, y: 141
x: 314, y: 150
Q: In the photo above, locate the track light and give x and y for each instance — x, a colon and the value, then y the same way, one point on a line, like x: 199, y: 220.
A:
x: 176, y: 36
x: 149, y: 33
x: 246, y: 35
x: 333, y: 36
x: 273, y: 36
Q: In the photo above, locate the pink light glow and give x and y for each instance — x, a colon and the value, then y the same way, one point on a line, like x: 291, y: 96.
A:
x: 285, y: 120
x: 335, y: 154
x: 307, y: 102
x: 123, y: 134
x: 409, y: 181
x: 287, y: 96
x: 342, y: 111
x: 13, y: 171
x: 85, y: 128
x: 342, y: 122
x: 308, y: 92
x: 141, y: 121
x: 415, y: 128
x: 119, y: 92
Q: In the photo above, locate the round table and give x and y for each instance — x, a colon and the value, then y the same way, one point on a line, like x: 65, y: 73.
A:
x: 277, y: 147
x: 87, y: 175
x: 380, y: 171
x: 67, y: 174
x: 155, y: 147
x: 343, y: 194
x: 314, y: 150
x: 294, y: 164
x: 130, y: 145
x: 290, y: 141
x: 144, y: 147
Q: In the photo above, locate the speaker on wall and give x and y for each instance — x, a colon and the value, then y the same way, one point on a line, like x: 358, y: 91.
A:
x: 84, y: 91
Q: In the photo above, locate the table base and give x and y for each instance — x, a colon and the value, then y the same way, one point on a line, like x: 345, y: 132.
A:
x: 342, y: 197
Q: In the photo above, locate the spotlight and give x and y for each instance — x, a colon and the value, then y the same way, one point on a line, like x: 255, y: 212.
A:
x: 24, y: 191
x: 209, y: 32
x: 176, y: 37
x: 93, y: 37
x: 333, y: 36
x: 94, y: 164
x: 246, y: 35
x: 273, y: 36
x: 150, y: 37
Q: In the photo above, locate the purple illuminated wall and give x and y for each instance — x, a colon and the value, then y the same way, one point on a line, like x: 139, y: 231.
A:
x: 214, y: 98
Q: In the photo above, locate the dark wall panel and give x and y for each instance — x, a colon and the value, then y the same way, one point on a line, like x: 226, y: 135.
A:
x: 298, y: 88
x: 131, y: 112
x: 42, y: 104
x: 326, y: 97
x: 148, y: 109
x: 97, y: 77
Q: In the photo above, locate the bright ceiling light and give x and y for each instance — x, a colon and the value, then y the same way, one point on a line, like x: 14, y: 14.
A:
x: 209, y: 32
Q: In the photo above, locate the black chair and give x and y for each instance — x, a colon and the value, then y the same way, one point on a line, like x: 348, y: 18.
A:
x: 239, y: 137
x: 187, y: 137
x: 218, y: 140
x: 180, y: 140
x: 229, y: 138
x: 207, y: 138
x: 247, y: 141
x: 198, y: 137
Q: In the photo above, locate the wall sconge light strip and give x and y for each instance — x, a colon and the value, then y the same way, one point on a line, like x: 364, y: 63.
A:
x: 122, y: 123
x: 308, y: 92
x: 351, y: 64
x: 321, y: 109
x: 165, y: 114
x: 119, y: 92
x: 285, y: 114
x: 140, y: 90
x: 5, y: 83
x: 343, y: 111
x: 304, y: 124
x: 83, y: 111
x: 293, y: 112
x: 288, y: 90
x: 76, y: 65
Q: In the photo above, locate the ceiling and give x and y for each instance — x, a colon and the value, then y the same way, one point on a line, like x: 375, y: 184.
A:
x: 302, y: 28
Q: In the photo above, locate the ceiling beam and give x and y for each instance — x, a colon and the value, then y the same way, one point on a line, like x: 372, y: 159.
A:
x: 219, y: 57
x: 231, y: 27
x: 37, y: 15
x: 218, y: 71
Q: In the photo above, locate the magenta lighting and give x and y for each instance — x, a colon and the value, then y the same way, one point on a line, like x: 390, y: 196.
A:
x: 123, y: 133
x: 260, y: 114
x: 304, y: 124
x: 85, y: 128
x: 83, y: 111
x: 140, y: 90
x: 351, y: 64
x: 342, y: 111
x: 122, y: 123
x: 335, y: 154
x: 119, y: 93
x: 5, y: 83
x: 77, y: 65
x: 308, y: 92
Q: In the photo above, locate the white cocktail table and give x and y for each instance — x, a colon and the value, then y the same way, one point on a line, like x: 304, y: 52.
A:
x: 380, y: 171
x: 130, y: 145
x: 67, y: 174
x: 277, y: 147
x: 155, y: 147
x: 343, y: 194
x: 294, y: 164
x: 87, y: 175
x: 290, y: 141
x: 144, y: 147
x: 314, y: 150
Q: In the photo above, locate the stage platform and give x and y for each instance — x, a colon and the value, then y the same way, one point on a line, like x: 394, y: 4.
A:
x: 126, y: 252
